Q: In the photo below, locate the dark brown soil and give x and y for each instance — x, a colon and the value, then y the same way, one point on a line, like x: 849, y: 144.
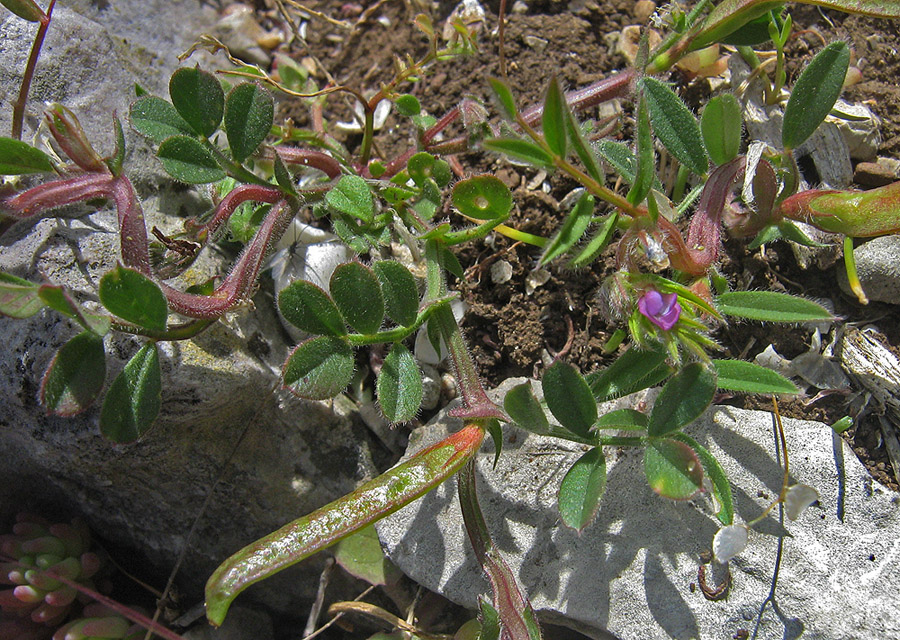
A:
x: 511, y: 332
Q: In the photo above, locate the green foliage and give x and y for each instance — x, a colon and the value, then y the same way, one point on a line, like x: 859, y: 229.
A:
x: 569, y: 398
x: 198, y: 98
x: 581, y: 490
x: 75, y: 376
x: 157, y: 119
x: 319, y: 368
x: 399, y: 385
x: 684, y: 397
x: 721, y: 126
x: 747, y: 377
x: 553, y: 120
x: 675, y: 126
x: 814, y: 94
x: 134, y: 398
x: 572, y: 229
x: 525, y: 410
x: 134, y: 297
x: 673, y: 469
x: 18, y: 158
x: 401, y: 295
x: 352, y: 196
x: 361, y: 556
x: 482, y: 197
x: 188, y: 160
x: 309, y: 308
x: 19, y: 298
x: 25, y: 9
x: 357, y: 294
x: 771, y: 306
x: 249, y: 114
x: 522, y: 150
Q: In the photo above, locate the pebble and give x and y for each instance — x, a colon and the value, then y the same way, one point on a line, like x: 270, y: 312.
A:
x: 643, y: 9
x: 874, y: 174
x: 501, y: 271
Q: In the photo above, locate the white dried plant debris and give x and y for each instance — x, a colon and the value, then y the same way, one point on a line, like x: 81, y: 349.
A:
x: 470, y: 13
x: 424, y: 350
x: 501, y: 271
x: 382, y: 111
x: 730, y: 541
x: 797, y: 499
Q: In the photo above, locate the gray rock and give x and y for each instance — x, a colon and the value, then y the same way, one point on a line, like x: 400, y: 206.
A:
x: 630, y: 574
x: 294, y: 457
x: 92, y: 57
x: 878, y: 265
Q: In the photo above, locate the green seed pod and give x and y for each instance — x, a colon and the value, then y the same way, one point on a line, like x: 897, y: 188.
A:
x: 858, y: 214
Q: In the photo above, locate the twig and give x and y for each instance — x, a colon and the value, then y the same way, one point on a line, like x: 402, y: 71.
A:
x: 313, y: 619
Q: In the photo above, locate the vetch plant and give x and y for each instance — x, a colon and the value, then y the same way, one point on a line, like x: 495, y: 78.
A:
x: 666, y: 292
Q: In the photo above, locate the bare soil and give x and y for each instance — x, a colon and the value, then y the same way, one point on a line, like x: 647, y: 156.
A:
x: 512, y: 332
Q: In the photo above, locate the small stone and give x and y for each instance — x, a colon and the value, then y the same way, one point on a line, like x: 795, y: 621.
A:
x: 240, y: 32
x: 535, y: 279
x: 519, y: 7
x: 536, y: 43
x: 643, y: 9
x: 878, y: 266
x: 873, y: 174
x: 501, y: 271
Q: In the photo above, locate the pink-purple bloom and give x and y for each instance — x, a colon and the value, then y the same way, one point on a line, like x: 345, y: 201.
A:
x: 662, y: 309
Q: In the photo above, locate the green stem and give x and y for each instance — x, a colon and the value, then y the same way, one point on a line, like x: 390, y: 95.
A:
x: 852, y: 274
x: 399, y: 333
x: 621, y: 441
x: 184, y: 331
x: 234, y: 169
x: 18, y: 117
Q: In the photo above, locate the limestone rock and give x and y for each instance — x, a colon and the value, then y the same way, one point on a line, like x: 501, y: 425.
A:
x: 630, y: 574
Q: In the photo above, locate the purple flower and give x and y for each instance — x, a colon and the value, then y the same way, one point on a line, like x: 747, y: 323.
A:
x: 662, y: 309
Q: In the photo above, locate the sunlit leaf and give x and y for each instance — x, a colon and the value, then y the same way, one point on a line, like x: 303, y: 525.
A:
x: 309, y: 308
x: 133, y: 297
x: 352, y: 196
x: 675, y: 125
x: 748, y: 377
x: 361, y: 556
x: 18, y: 158
x: 569, y: 398
x: 672, y: 469
x: 581, y: 490
x: 198, y: 98
x: 504, y: 97
x: 134, y: 397
x: 721, y: 125
x: 553, y: 119
x: 75, y: 375
x: 399, y: 385
x: 482, y: 197
x: 60, y: 299
x: 319, y: 368
x: 814, y: 94
x: 597, y: 243
x: 401, y: 295
x: 18, y: 297
x: 623, y: 419
x: 25, y: 9
x: 249, y: 114
x: 186, y: 159
x: 771, y: 306
x: 408, y: 105
x: 721, y: 488
x: 633, y: 371
x: 357, y: 294
x: 524, y: 409
x: 521, y: 150
x: 573, y: 227
x: 683, y: 399
x: 157, y: 119
x: 645, y: 168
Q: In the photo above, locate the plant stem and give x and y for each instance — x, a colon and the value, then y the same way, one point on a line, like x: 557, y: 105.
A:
x: 18, y: 118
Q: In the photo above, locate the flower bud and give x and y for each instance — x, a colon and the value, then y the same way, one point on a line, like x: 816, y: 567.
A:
x: 662, y: 309
x: 67, y: 131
